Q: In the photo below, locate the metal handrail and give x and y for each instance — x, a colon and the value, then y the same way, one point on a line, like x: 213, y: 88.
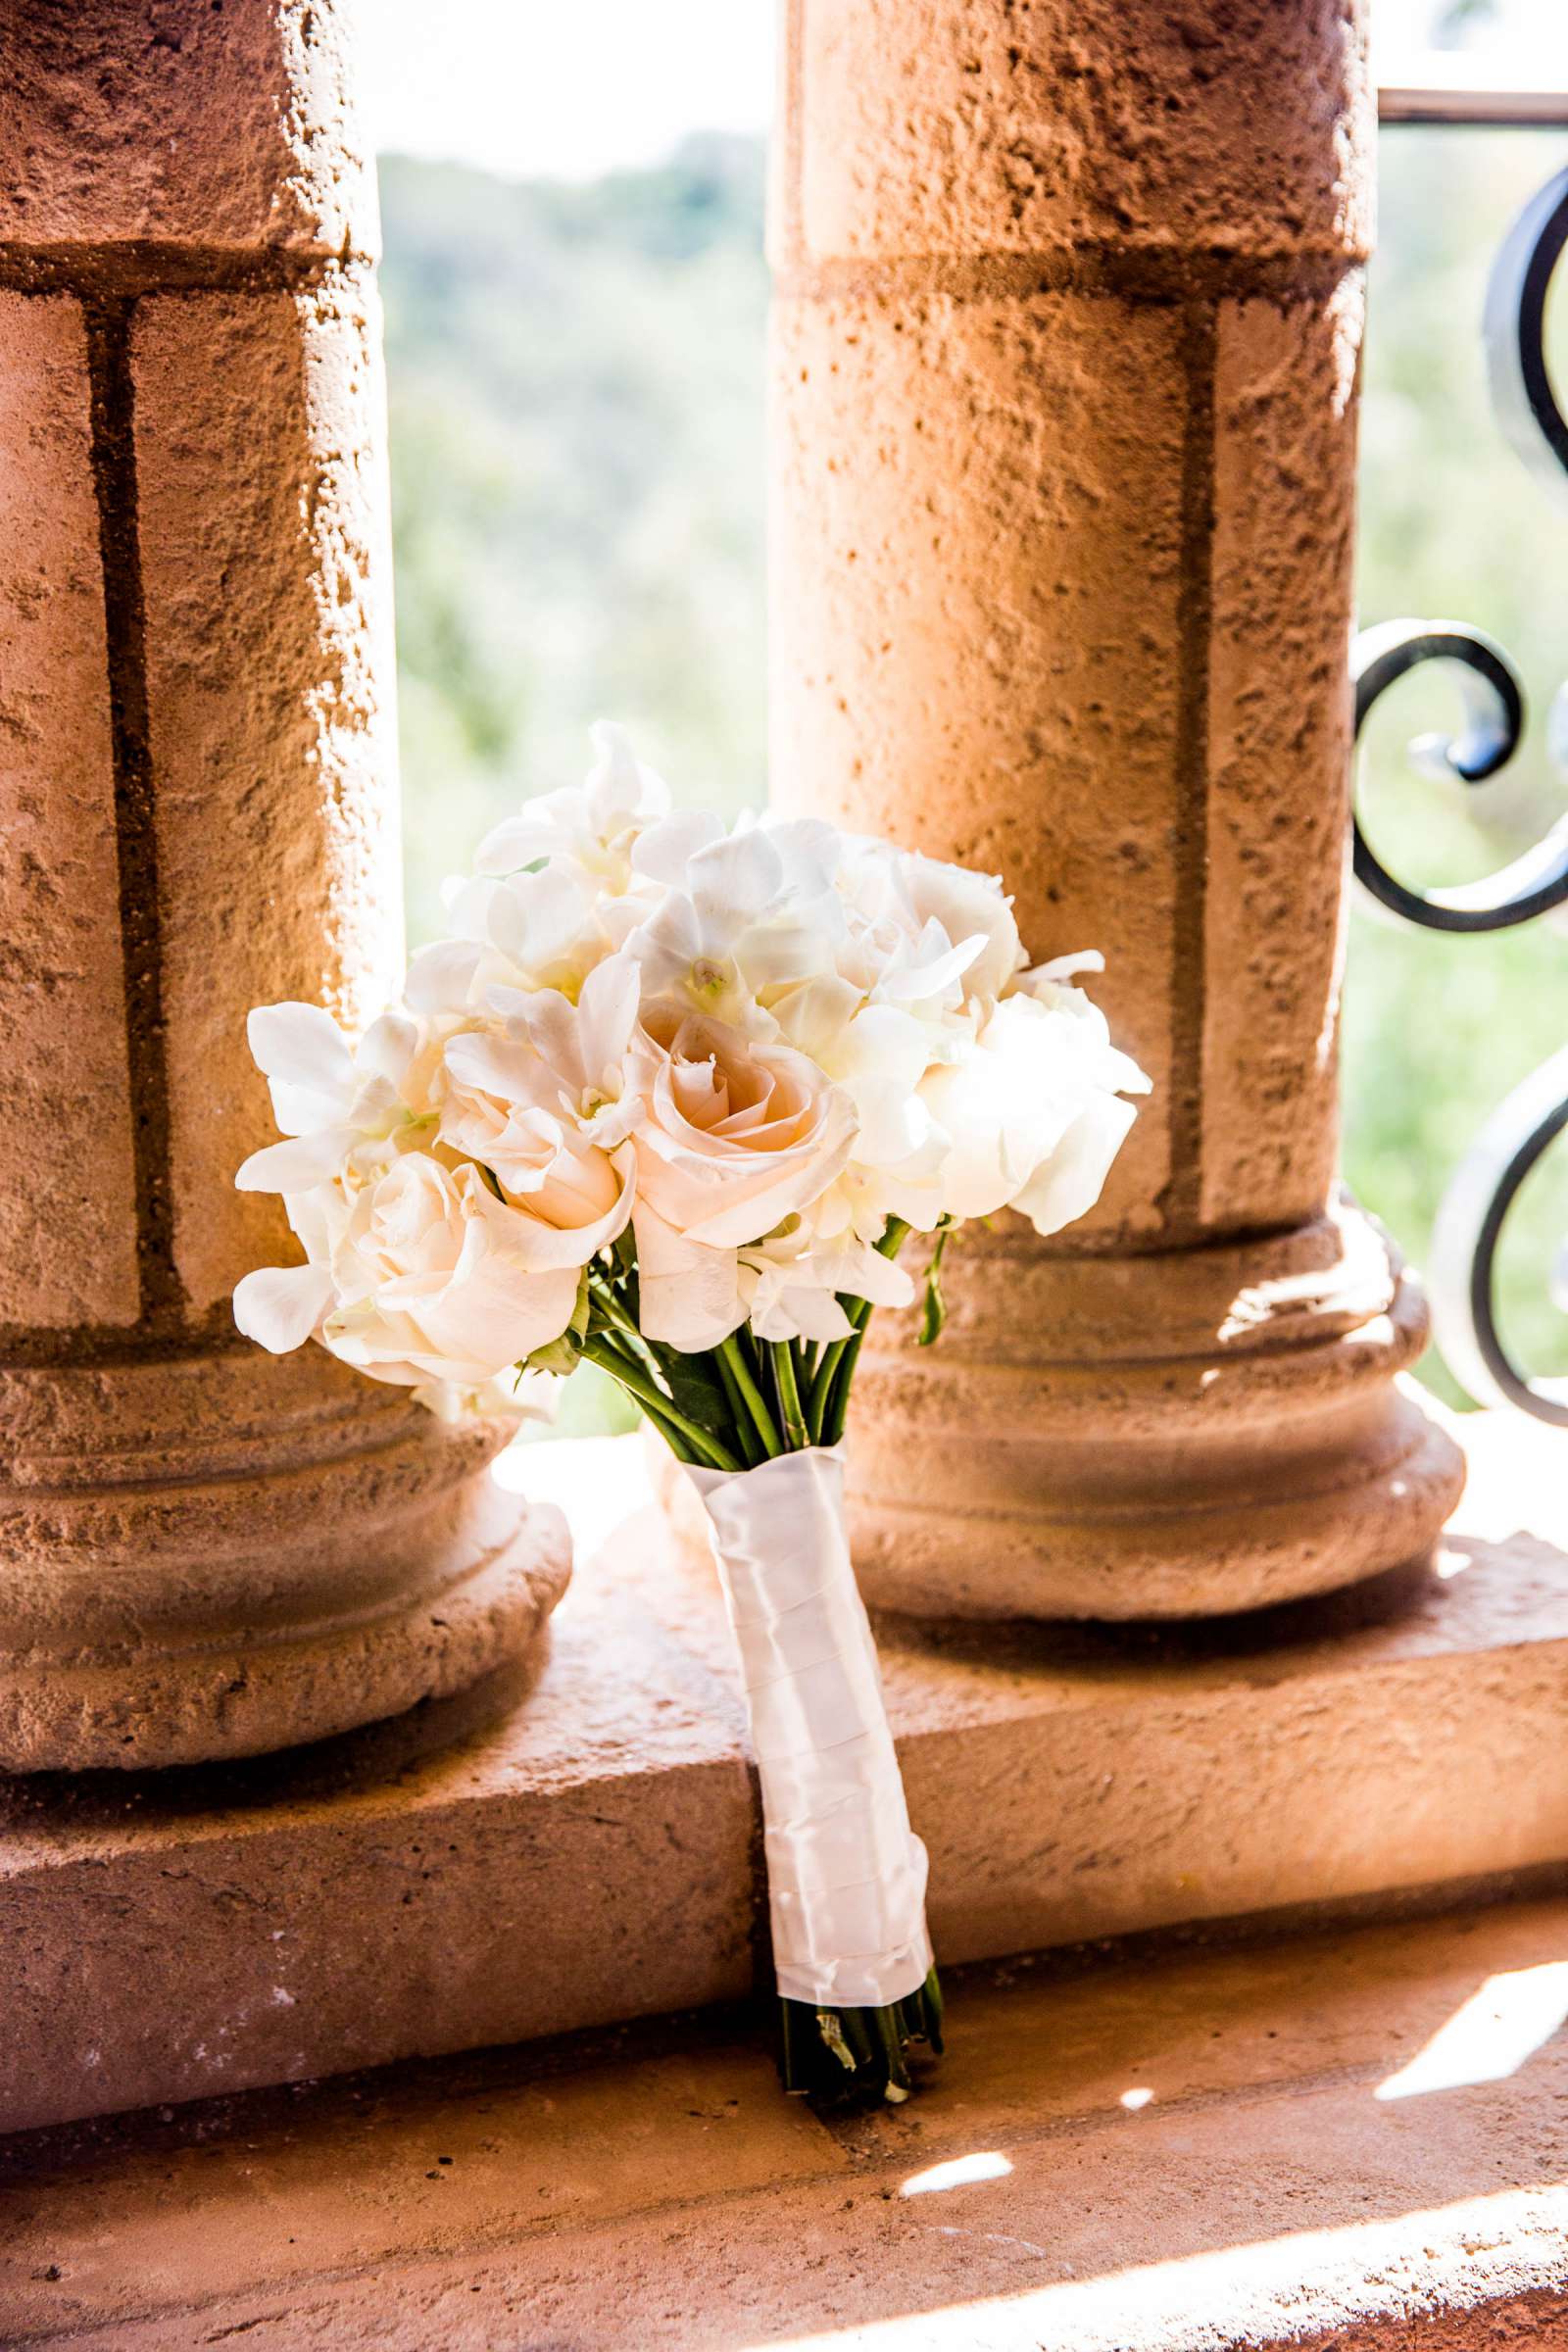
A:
x: 1441, y: 85
x: 1411, y: 102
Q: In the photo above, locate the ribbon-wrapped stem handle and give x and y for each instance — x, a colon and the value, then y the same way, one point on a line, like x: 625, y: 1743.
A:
x: 846, y: 1872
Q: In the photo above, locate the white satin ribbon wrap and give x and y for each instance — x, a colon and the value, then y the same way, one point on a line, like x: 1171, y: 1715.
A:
x: 845, y: 1874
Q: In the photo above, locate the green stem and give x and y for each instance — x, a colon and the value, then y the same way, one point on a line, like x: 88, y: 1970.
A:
x: 680, y: 1447
x: 752, y: 1395
x: 832, y: 1410
x: 835, y: 1410
x: 859, y: 2054
x: 789, y: 1395
x: 611, y: 1308
x: 827, y: 1365
x: 657, y: 1407
x: 745, y: 1436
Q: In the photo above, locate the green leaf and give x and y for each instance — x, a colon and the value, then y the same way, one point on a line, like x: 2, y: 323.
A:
x: 934, y: 1311
x: 562, y: 1356
x: 697, y: 1389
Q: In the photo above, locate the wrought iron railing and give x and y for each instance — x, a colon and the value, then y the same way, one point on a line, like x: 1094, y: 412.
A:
x: 1462, y: 1268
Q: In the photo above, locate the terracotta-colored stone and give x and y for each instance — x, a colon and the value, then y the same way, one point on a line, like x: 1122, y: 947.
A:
x: 1279, y: 752
x: 1063, y: 432
x: 266, y: 581
x: 1145, y: 128
x: 964, y: 493
x: 583, y: 1854
x: 204, y: 1554
x: 1244, y: 1447
x: 67, y: 1177
x: 1181, y: 2153
x: 566, y: 2149
x: 463, y: 1876
x: 228, y: 128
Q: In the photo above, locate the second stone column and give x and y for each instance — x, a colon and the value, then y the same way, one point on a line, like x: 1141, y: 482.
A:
x: 1066, y: 329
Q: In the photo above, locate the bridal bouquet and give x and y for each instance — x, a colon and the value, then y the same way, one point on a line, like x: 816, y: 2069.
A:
x: 668, y: 1101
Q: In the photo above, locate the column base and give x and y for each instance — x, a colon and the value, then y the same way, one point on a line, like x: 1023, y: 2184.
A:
x: 1178, y: 1435
x: 211, y: 1557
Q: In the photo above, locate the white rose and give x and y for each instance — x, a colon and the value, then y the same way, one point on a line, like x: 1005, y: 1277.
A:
x: 878, y: 1054
x: 1032, y: 1111
x: 908, y: 909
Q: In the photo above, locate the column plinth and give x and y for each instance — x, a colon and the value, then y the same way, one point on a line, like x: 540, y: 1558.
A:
x: 1067, y: 315
x: 203, y: 1551
x: 1160, y: 1435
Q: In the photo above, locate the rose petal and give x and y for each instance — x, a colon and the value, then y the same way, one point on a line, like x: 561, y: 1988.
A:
x: 297, y: 1164
x: 666, y: 848
x: 1073, y: 1179
x: 739, y: 875
x: 303, y: 1046
x: 279, y: 1307
x: 440, y: 977
x: 690, y: 1297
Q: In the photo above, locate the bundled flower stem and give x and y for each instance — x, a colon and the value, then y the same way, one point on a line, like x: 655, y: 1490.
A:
x: 749, y: 1401
x: 668, y: 1101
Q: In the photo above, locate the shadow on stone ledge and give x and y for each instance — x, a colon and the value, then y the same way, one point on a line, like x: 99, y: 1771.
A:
x: 378, y: 1754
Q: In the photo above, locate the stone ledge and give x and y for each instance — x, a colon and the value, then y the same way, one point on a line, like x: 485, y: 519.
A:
x: 529, y: 1862
x: 1353, y: 2140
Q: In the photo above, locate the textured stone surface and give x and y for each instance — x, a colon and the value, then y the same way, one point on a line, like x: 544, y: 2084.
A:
x: 935, y: 128
x: 963, y: 495
x: 215, y: 127
x: 215, y: 1556
x: 1257, y: 2191
x: 267, y: 580
x: 1244, y: 1446
x: 1279, y: 761
x: 571, y: 1849
x: 67, y: 1180
x: 591, y: 1853
x: 1063, y: 438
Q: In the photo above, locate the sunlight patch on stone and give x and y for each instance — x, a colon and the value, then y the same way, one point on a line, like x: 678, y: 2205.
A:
x: 1491, y: 2037
x: 958, y: 2171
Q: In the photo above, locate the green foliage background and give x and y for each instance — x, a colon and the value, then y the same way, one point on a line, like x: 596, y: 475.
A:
x: 577, y: 382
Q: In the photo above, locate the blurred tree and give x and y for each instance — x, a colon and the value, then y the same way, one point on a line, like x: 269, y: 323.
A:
x: 575, y: 386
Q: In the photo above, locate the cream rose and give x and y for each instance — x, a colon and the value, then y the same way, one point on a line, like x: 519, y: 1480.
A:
x: 735, y: 1137
x: 422, y: 1274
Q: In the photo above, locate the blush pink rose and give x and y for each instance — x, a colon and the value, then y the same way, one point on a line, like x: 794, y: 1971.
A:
x: 735, y: 1136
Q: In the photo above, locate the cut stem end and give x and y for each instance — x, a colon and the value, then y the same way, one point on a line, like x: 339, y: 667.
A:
x: 859, y: 2054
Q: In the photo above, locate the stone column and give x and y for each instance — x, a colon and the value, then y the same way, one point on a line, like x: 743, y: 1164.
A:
x: 205, y: 1553
x: 1068, y: 308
